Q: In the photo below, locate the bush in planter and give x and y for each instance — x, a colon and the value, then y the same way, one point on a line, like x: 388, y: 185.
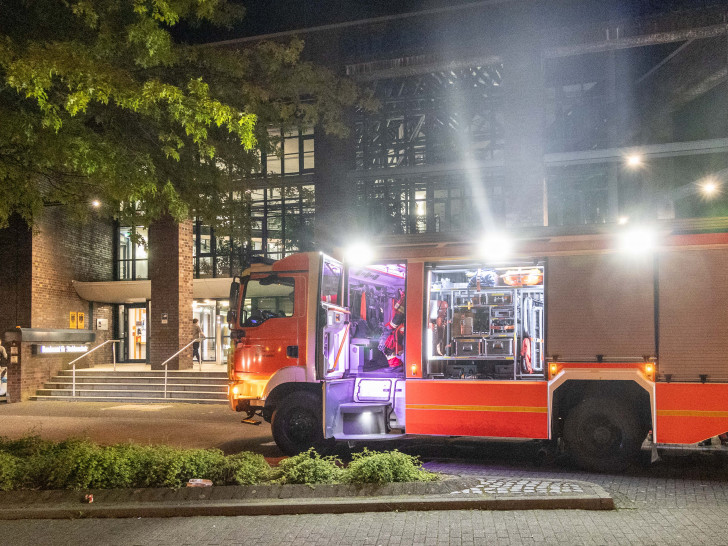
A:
x: 245, y: 468
x: 309, y: 468
x: 386, y: 467
x: 10, y: 467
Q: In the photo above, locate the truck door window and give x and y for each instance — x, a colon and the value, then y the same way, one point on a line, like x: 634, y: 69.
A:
x: 267, y: 297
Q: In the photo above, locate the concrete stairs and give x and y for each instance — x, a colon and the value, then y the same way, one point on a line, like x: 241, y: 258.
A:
x: 139, y: 387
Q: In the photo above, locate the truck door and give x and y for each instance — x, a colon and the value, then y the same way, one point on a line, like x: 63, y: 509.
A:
x: 333, y: 355
x: 273, y: 315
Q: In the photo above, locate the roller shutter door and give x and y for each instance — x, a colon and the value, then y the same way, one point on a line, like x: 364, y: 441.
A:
x: 694, y: 314
x: 600, y: 305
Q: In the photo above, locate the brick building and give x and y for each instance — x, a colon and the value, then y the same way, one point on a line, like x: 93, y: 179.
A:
x: 493, y: 114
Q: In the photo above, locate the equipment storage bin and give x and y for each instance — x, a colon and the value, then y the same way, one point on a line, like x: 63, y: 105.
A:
x: 499, y: 347
x: 468, y: 347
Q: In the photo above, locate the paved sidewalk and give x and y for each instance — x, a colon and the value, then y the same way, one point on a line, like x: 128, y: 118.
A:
x: 457, y: 493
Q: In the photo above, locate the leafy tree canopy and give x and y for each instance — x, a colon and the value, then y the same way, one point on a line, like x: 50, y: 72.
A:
x: 99, y: 101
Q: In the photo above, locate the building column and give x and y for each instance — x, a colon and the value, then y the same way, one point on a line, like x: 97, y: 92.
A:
x: 523, y: 125
x: 335, y: 192
x: 170, y: 314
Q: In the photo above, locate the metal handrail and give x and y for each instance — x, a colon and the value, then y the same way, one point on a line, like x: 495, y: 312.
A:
x: 73, y: 362
x: 171, y: 357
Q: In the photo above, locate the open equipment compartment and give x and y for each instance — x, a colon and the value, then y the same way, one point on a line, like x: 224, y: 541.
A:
x: 485, y: 322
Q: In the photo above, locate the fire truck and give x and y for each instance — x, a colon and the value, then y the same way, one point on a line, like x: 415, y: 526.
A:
x: 597, y: 340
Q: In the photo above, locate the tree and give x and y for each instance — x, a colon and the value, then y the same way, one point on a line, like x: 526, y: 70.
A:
x: 99, y: 101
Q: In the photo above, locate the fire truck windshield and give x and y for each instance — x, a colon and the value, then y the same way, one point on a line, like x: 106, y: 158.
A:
x: 267, y: 297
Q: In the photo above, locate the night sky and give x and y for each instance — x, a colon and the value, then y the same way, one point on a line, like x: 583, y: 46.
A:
x: 270, y: 16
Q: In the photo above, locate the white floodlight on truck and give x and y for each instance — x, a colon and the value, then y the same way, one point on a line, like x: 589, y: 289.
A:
x: 495, y: 247
x: 638, y: 240
x: 358, y: 253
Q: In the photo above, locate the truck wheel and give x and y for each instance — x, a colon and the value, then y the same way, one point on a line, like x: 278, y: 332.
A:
x: 602, y: 435
x: 297, y: 424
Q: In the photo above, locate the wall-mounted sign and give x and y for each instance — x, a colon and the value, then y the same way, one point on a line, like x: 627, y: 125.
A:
x: 56, y: 349
x: 72, y: 320
x: 81, y: 322
x: 165, y: 318
x: 102, y: 324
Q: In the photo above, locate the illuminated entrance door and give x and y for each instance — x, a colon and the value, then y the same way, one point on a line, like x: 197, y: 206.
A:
x: 135, y: 326
x: 205, y: 312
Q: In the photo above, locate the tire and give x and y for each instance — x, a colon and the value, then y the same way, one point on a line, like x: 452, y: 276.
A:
x: 602, y: 435
x: 297, y: 423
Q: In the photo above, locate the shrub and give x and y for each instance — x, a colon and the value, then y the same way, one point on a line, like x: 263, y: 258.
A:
x: 245, y: 469
x: 385, y: 467
x: 9, y: 470
x: 310, y: 468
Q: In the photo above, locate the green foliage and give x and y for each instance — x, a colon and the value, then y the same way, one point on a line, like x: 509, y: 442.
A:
x: 386, y: 467
x: 32, y: 463
x: 309, y: 468
x: 9, y: 469
x: 245, y: 469
x: 100, y: 99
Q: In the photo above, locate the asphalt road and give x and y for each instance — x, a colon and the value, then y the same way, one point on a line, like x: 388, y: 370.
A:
x: 682, y: 499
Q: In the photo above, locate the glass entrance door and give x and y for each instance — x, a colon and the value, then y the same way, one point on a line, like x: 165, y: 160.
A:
x: 205, y: 313
x: 135, y: 328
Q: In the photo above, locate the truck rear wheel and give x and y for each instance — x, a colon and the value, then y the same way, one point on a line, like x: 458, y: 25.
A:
x: 603, y: 435
x: 297, y: 423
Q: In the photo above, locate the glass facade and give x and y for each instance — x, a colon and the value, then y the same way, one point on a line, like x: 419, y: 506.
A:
x: 132, y: 261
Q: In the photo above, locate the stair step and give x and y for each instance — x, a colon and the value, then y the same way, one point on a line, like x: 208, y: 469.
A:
x: 57, y: 385
x: 141, y: 380
x: 150, y: 373
x: 133, y: 394
x: 122, y: 399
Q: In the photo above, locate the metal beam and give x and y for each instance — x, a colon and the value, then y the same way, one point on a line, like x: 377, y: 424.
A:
x: 611, y: 44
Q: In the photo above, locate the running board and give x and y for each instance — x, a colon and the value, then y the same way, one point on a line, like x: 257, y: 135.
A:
x: 368, y: 437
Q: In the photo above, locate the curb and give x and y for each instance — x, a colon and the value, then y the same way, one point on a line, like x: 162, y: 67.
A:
x: 287, y: 500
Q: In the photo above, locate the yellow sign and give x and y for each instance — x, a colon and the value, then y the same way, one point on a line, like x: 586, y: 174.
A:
x: 80, y: 323
x: 72, y: 320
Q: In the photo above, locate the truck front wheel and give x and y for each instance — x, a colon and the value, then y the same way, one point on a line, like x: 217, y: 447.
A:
x: 297, y: 424
x: 603, y: 435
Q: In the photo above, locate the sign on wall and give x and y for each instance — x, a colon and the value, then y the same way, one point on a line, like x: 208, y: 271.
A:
x: 72, y: 320
x: 81, y: 322
x: 102, y: 324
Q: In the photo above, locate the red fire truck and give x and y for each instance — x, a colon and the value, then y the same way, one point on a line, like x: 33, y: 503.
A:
x: 598, y: 338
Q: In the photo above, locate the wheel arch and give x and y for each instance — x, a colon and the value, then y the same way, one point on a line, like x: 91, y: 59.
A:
x: 282, y: 390
x: 568, y: 390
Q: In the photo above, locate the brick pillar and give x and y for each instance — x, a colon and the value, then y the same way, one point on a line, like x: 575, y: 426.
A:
x: 16, y: 266
x: 170, y: 270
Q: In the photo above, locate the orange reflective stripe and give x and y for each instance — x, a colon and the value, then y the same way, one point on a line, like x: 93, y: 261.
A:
x: 508, y: 409
x: 691, y: 413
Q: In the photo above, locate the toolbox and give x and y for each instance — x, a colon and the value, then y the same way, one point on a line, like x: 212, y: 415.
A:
x: 499, y: 347
x: 468, y: 347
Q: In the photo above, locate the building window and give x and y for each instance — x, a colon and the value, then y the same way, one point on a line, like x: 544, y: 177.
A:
x: 293, y: 153
x: 281, y: 223
x: 132, y: 261
x: 456, y: 203
x: 433, y: 118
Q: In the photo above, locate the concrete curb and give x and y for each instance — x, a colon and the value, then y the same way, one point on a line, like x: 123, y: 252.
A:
x: 280, y: 500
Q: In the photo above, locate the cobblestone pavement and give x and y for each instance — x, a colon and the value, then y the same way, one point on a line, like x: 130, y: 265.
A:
x: 681, y: 500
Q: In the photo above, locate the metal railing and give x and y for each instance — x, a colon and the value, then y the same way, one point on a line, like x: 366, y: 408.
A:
x: 72, y: 363
x: 171, y: 357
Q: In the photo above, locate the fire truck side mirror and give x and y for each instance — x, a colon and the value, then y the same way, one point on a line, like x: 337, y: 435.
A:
x: 233, y: 300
